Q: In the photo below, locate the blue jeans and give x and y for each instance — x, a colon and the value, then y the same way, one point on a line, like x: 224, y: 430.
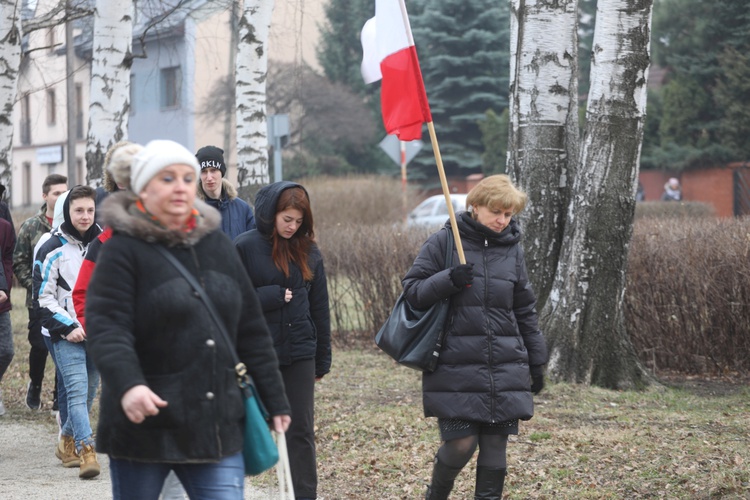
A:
x: 62, y: 394
x: 143, y: 480
x: 6, y: 343
x: 80, y: 379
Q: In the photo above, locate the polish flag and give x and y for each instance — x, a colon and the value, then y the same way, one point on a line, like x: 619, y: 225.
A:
x: 389, y: 54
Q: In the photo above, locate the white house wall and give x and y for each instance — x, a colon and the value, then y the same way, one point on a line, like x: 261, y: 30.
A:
x: 42, y: 71
x: 204, y: 55
x: 213, y: 63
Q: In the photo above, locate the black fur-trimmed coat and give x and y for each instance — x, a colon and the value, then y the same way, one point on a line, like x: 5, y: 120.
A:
x: 493, y: 337
x: 146, y: 325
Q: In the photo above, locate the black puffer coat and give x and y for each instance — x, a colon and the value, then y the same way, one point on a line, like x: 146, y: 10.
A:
x: 301, y: 329
x: 145, y: 325
x: 493, y: 335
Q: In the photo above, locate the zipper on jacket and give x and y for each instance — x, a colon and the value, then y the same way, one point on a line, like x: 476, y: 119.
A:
x: 489, y: 331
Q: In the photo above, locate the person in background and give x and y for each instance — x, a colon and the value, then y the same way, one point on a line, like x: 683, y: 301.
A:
x: 493, y: 354
x: 170, y: 399
x: 29, y: 234
x: 672, y: 190
x: 218, y: 192
x: 108, y: 186
x: 286, y: 267
x: 5, y: 210
x: 116, y: 178
x: 56, y: 265
x: 7, y: 242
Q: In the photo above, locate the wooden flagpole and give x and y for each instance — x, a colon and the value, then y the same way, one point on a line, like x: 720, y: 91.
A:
x: 446, y: 191
x: 436, y: 152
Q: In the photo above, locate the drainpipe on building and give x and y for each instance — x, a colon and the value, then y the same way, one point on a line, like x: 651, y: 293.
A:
x: 70, y: 90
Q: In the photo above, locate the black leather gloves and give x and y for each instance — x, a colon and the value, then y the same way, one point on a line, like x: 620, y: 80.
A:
x: 462, y: 275
x: 537, y: 379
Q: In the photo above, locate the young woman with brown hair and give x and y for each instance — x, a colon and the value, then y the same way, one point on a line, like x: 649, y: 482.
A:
x: 286, y: 268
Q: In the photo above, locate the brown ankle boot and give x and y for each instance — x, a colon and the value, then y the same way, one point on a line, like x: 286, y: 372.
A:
x: 89, y: 465
x: 66, y: 452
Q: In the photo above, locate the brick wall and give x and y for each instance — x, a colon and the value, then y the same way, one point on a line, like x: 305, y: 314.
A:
x: 713, y: 185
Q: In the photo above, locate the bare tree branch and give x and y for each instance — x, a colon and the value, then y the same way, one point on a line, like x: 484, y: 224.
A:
x: 55, y: 17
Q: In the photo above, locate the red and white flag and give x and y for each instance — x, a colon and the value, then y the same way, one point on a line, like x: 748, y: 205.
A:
x: 389, y: 53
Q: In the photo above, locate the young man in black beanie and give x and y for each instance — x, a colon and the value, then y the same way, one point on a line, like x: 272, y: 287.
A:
x: 217, y: 191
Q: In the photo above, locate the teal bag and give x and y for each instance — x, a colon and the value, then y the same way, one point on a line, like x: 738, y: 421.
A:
x: 258, y: 449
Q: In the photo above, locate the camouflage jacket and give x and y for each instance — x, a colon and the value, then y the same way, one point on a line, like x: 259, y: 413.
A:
x: 23, y: 257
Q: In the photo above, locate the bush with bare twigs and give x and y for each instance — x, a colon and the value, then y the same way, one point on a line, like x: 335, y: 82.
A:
x: 688, y: 294
x: 687, y: 299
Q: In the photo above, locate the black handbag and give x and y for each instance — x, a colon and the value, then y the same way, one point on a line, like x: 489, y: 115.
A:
x: 413, y: 337
x: 259, y: 450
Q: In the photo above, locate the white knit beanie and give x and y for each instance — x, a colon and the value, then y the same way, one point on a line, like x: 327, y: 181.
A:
x: 154, y: 157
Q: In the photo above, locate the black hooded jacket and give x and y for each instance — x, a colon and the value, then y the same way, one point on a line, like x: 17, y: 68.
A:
x: 493, y: 338
x: 301, y: 329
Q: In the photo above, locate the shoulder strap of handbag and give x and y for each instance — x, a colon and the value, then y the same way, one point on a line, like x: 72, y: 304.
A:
x: 449, y: 249
x: 243, y: 378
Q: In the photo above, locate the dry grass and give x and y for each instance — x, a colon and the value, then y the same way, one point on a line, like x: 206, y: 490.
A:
x: 584, y: 442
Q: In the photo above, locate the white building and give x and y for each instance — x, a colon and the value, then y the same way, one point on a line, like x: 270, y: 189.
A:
x: 174, y: 88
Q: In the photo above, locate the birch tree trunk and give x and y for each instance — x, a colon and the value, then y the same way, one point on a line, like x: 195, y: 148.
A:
x: 543, y: 142
x: 10, y: 63
x: 583, y: 318
x: 251, y: 72
x: 110, y: 82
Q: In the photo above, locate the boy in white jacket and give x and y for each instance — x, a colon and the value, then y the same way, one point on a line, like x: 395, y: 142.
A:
x: 56, y: 267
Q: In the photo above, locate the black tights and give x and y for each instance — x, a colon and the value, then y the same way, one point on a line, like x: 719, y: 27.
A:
x: 492, y: 449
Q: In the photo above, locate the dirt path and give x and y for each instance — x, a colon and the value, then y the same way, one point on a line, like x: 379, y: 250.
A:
x: 29, y: 469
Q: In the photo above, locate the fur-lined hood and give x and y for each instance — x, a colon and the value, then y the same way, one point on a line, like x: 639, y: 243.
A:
x: 116, y: 215
x: 226, y: 188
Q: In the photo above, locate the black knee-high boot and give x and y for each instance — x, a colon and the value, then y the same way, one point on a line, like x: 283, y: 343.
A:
x: 490, y: 482
x: 443, y: 478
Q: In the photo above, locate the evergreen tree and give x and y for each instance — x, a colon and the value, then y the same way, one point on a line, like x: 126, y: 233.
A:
x: 494, y: 130
x: 732, y: 91
x: 340, y: 55
x: 340, y: 51
x: 463, y: 50
x: 690, y: 37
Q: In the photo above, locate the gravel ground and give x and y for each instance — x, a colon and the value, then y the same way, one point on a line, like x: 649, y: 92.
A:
x: 29, y: 469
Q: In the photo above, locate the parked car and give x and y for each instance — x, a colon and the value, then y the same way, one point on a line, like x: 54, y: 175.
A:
x: 433, y: 212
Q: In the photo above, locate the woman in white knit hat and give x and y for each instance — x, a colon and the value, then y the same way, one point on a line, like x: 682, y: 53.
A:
x: 170, y: 399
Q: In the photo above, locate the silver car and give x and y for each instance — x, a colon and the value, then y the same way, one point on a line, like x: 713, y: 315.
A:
x: 433, y: 212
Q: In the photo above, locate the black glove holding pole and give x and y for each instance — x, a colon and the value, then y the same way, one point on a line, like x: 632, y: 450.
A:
x: 462, y: 275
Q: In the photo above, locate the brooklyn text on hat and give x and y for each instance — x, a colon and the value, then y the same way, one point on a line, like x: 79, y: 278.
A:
x: 211, y: 164
x: 212, y: 157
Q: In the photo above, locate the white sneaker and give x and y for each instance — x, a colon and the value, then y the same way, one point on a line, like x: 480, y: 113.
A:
x: 2, y: 407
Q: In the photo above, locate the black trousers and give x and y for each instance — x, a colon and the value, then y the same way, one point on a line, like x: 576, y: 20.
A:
x: 38, y: 352
x: 299, y: 380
